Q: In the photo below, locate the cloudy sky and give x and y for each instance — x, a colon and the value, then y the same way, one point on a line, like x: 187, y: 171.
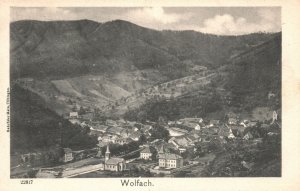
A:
x: 216, y: 20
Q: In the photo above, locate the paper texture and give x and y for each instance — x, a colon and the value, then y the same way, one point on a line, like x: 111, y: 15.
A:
x: 289, y: 180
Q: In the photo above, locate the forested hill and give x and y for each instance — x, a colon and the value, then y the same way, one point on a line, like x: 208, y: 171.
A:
x: 35, y: 127
x: 246, y: 82
x: 256, y: 73
x: 70, y: 48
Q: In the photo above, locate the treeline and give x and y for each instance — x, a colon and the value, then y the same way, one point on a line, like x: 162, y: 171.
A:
x: 35, y: 127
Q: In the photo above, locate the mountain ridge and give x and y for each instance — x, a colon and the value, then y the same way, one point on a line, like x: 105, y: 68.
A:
x: 89, y: 46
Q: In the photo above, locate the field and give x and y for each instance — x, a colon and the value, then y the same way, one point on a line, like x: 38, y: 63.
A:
x: 91, y: 90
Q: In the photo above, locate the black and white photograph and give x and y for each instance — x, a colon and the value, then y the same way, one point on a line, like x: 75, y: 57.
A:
x: 162, y: 92
x: 149, y: 95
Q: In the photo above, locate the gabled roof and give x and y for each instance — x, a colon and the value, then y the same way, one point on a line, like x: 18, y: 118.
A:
x: 115, y: 130
x: 67, y: 150
x: 169, y: 156
x: 178, y: 129
x: 214, y: 121
x: 162, y: 149
x: 114, y: 161
x: 124, y: 139
x: 147, y: 149
x: 135, y: 134
x: 100, y: 127
x: 249, y: 134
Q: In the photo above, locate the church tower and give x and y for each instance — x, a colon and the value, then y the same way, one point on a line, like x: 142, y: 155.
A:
x: 162, y: 150
x: 107, y: 153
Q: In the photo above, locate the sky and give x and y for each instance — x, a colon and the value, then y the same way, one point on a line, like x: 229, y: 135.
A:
x: 214, y: 20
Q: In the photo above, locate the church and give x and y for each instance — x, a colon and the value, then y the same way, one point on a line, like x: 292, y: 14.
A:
x: 113, y: 163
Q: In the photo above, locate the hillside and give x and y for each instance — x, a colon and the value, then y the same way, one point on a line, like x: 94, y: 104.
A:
x: 35, y: 127
x: 242, y: 85
x: 255, y: 74
x: 57, y: 49
x: 116, y: 66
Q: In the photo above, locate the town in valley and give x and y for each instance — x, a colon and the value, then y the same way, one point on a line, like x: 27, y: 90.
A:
x: 115, y: 99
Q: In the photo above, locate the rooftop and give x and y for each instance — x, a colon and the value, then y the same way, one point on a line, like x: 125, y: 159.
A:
x: 169, y: 156
x: 67, y: 150
x: 114, y: 160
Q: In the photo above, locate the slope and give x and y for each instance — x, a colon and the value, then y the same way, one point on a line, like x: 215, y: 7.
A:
x: 70, y: 48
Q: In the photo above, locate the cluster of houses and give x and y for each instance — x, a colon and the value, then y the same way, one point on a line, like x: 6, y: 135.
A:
x: 185, y: 134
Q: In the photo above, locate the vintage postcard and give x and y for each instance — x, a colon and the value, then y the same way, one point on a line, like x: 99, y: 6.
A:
x: 150, y: 96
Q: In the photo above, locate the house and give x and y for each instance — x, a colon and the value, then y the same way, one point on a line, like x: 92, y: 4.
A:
x: 100, y: 128
x: 171, y: 122
x: 191, y: 125
x: 146, y: 153
x: 75, y: 121
x: 232, y: 121
x: 231, y: 135
x: 271, y: 95
x: 135, y: 135
x: 122, y: 141
x: 214, y: 122
x: 275, y: 116
x: 248, y: 136
x: 87, y: 116
x: 49, y: 172
x: 191, y: 120
x: 170, y: 160
x: 252, y: 124
x: 162, y: 146
x: 73, y: 114
x: 237, y: 129
x: 68, y: 155
x: 115, y: 130
x: 223, y: 132
x: 110, y: 122
x: 174, y: 131
x: 198, y: 127
x: 182, y: 142
x: 109, y: 138
x: 113, y: 163
x: 121, y: 122
x: 232, y: 115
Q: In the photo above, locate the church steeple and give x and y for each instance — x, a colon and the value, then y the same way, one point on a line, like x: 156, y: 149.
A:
x: 107, y: 153
x: 162, y: 150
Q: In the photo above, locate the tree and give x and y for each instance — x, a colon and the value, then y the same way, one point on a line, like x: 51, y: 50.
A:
x: 81, y: 111
x: 159, y: 132
x: 142, y: 139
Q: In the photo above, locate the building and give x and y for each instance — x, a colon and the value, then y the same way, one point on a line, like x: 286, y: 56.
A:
x: 214, y: 122
x: 231, y: 135
x: 68, y: 155
x: 122, y: 141
x: 181, y: 143
x: 248, y: 136
x: 116, y: 130
x: 111, y: 123
x: 274, y: 117
x: 198, y: 127
x: 170, y: 160
x: 135, y: 135
x: 232, y: 121
x: 113, y: 164
x: 146, y: 153
x: 73, y: 114
x: 100, y: 128
x: 48, y: 173
x: 108, y: 138
x: 175, y: 132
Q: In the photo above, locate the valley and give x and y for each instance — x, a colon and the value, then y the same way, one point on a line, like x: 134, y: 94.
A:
x: 87, y: 86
